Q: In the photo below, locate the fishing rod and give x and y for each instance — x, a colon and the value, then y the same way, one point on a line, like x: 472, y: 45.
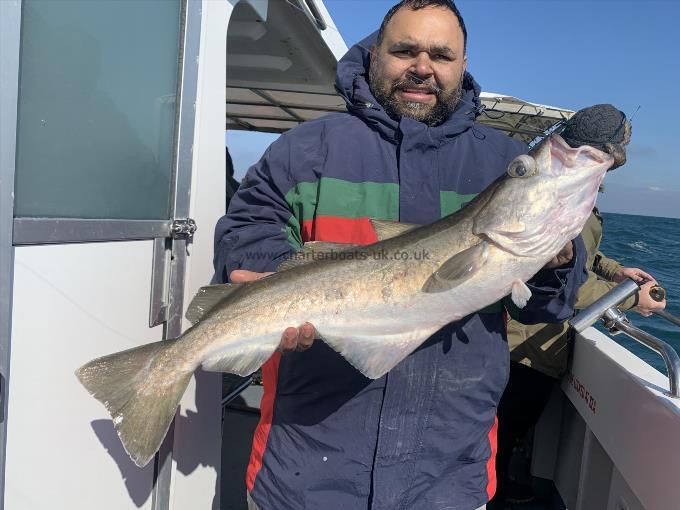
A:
x: 658, y: 294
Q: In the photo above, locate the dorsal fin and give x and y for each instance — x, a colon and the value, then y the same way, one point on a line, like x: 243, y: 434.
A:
x: 386, y: 229
x: 313, y: 251
x: 206, y: 298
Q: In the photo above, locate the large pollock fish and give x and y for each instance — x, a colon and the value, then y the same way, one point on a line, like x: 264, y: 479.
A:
x: 375, y: 304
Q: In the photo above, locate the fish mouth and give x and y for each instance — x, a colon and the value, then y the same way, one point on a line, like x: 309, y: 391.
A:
x: 583, y: 157
x: 582, y: 168
x: 541, y: 218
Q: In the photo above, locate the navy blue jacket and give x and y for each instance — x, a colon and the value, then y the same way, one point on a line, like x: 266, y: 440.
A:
x: 424, y: 435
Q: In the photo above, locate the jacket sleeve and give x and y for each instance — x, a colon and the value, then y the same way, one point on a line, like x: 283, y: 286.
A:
x: 553, y: 291
x: 259, y: 231
x: 605, y: 267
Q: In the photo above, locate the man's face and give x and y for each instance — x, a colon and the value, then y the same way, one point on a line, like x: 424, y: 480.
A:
x: 417, y: 70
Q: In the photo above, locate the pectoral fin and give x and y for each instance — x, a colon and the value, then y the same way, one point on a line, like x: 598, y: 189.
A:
x: 520, y: 293
x: 458, y: 269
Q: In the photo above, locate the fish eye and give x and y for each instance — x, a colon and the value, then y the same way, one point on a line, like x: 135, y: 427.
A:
x: 522, y: 166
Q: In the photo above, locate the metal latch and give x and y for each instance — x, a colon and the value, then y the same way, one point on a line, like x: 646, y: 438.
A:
x: 183, y: 229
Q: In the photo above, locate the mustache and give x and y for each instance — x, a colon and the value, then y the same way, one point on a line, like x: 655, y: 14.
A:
x: 415, y: 81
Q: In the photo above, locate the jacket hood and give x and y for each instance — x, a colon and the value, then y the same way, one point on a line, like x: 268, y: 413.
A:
x: 352, y: 84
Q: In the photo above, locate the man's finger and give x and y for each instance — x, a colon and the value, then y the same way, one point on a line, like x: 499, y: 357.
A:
x: 306, y: 336
x: 648, y: 285
x: 639, y: 275
x: 289, y: 340
x: 644, y: 275
x: 297, y: 339
x: 244, y: 276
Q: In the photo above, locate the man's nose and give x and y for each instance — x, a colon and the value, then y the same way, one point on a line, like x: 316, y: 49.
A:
x: 422, y: 65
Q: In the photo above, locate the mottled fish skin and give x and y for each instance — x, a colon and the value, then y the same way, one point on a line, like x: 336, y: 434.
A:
x: 374, y: 305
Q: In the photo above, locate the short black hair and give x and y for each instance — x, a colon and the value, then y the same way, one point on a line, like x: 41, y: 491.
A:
x: 415, y: 5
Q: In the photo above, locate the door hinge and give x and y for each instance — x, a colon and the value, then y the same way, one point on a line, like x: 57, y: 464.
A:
x: 183, y: 229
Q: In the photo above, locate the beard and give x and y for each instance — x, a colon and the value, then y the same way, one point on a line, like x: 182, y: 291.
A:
x: 385, y: 90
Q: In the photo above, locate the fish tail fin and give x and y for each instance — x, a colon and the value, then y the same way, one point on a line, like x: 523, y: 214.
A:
x: 140, y: 393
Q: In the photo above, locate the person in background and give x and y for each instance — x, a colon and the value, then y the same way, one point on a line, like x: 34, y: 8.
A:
x: 539, y: 353
x: 409, y: 149
x: 232, y: 184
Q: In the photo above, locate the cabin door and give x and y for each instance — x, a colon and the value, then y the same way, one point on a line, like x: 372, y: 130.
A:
x: 97, y: 131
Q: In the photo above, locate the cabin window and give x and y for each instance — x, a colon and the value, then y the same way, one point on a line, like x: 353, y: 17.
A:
x: 97, y: 108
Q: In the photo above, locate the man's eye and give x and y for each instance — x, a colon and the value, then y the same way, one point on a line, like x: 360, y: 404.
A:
x: 443, y: 58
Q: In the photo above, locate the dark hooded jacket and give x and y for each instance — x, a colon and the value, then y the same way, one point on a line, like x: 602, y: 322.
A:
x: 424, y: 435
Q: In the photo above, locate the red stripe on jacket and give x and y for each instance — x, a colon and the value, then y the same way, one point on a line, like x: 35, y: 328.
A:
x: 491, y: 463
x: 493, y: 438
x: 322, y: 228
x: 270, y: 376
x: 339, y: 230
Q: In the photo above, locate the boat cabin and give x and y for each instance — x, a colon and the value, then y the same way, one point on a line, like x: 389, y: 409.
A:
x: 112, y: 176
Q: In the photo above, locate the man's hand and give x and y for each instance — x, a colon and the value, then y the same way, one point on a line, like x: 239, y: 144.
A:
x: 563, y: 257
x: 243, y: 276
x: 633, y: 273
x: 646, y: 305
x: 293, y: 339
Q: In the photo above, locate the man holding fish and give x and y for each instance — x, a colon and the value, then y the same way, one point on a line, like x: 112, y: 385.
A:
x: 408, y: 150
x: 357, y: 221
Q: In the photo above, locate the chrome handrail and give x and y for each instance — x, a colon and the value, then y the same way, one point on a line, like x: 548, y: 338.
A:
x: 590, y: 315
x: 616, y: 322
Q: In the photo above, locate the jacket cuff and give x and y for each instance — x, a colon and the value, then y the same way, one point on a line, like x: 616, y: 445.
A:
x: 552, y: 281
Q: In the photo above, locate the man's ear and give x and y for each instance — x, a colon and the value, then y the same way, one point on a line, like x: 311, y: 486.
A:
x: 464, y: 63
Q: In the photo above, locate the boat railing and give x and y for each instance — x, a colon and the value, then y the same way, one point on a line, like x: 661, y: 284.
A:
x: 606, y: 310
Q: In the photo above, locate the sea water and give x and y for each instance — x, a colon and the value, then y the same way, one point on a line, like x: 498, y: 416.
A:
x: 652, y: 244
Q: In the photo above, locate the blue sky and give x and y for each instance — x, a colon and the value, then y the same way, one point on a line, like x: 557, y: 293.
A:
x: 571, y: 54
